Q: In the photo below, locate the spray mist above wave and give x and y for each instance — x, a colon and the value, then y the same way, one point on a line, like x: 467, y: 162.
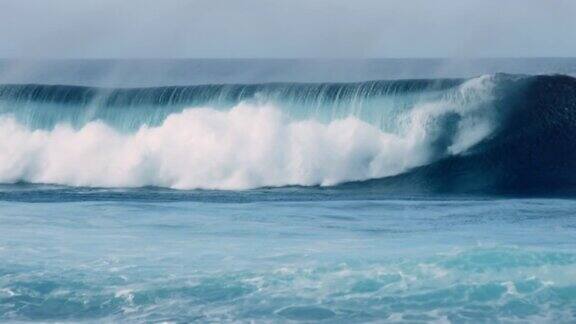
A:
x: 247, y: 146
x: 377, y: 102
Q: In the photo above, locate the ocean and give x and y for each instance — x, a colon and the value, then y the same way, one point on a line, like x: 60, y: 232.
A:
x: 266, y: 191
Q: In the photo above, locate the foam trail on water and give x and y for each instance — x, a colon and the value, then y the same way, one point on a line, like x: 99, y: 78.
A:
x: 248, y: 146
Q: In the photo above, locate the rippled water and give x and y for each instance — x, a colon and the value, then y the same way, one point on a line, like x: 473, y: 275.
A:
x: 123, y: 258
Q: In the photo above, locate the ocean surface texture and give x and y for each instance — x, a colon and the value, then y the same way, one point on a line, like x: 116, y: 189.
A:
x: 411, y: 191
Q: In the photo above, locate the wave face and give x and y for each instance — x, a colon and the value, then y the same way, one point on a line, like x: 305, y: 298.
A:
x: 495, y: 133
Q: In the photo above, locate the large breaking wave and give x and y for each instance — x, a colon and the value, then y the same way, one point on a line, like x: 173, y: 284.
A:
x: 491, y: 133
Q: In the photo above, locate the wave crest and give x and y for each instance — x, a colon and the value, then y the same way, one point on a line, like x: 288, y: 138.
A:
x: 492, y: 133
x: 247, y: 146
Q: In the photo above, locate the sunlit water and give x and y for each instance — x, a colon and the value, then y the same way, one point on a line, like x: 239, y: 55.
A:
x: 283, y: 255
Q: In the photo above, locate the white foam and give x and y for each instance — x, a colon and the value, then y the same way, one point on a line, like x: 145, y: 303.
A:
x: 246, y: 147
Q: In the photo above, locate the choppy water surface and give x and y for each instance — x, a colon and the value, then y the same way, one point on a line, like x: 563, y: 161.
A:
x: 266, y: 260
x: 232, y: 199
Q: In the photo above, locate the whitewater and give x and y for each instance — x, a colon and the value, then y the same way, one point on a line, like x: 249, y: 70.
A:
x: 247, y: 145
x: 282, y: 200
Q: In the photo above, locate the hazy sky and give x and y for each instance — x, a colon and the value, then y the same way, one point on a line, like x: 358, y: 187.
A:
x: 286, y: 28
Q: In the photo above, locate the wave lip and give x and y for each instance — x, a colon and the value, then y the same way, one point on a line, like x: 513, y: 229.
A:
x: 533, y: 149
x: 491, y: 133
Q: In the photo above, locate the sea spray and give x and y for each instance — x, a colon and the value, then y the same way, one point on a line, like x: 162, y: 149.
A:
x: 250, y: 145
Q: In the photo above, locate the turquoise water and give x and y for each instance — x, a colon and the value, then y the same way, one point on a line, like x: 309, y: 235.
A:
x: 280, y: 256
x: 230, y: 199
